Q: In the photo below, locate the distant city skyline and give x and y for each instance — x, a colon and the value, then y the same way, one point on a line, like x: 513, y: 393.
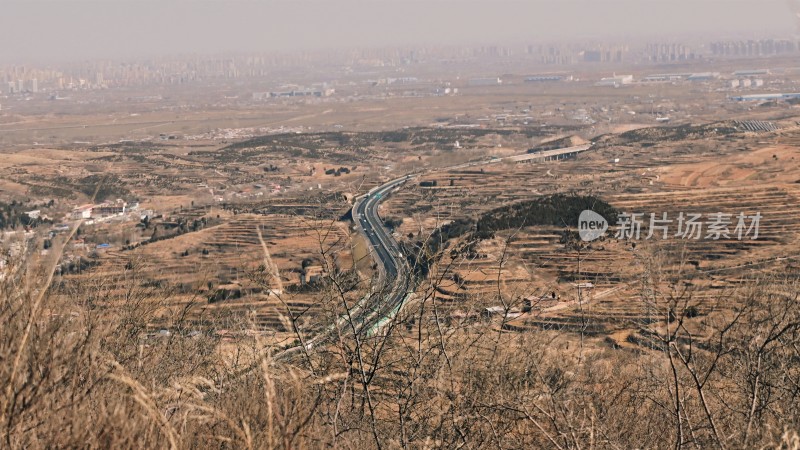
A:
x: 43, y: 30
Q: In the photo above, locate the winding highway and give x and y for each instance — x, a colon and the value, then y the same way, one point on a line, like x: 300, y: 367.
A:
x: 393, y: 267
x: 377, y: 308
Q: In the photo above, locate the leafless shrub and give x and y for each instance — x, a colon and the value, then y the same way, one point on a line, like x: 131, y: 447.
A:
x: 113, y: 363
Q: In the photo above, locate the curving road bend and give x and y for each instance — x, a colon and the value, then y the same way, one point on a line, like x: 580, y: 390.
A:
x: 392, y: 264
x: 393, y: 270
x: 370, y: 313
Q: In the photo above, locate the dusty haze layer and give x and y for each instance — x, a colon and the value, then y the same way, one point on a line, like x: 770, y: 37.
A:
x: 73, y: 29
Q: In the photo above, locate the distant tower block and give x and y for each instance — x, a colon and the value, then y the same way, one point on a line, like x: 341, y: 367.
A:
x: 794, y: 5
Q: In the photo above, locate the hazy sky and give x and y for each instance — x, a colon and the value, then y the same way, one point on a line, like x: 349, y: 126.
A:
x: 69, y: 29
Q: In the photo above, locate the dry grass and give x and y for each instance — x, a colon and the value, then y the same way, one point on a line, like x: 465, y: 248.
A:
x: 78, y: 372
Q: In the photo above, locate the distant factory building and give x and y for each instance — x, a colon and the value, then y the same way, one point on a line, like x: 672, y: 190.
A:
x: 666, y: 77
x: 766, y: 97
x: 110, y: 209
x: 294, y: 93
x: 751, y: 73
x: 546, y: 78
x: 297, y: 93
x: 485, y: 81
x: 703, y: 76
x: 402, y: 80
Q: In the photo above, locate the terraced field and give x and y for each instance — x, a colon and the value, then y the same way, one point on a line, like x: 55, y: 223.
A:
x: 248, y: 267
x: 532, y: 267
x: 249, y: 264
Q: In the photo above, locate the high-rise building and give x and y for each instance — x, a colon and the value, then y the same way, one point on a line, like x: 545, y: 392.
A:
x: 795, y: 8
x: 35, y: 85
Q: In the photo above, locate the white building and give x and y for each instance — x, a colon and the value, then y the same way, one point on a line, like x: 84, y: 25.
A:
x: 82, y: 212
x: 110, y: 209
x: 703, y: 76
x: 615, y: 81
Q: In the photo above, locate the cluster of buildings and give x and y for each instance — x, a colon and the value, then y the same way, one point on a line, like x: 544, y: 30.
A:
x: 104, y: 74
x: 26, y: 80
x: 744, y: 79
x: 299, y: 92
x: 240, y: 133
x: 747, y: 83
x: 103, y: 210
x: 569, y: 54
x: 741, y: 79
x: 605, y: 55
x: 763, y: 47
x: 669, y: 52
x: 23, y: 86
x: 178, y: 71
